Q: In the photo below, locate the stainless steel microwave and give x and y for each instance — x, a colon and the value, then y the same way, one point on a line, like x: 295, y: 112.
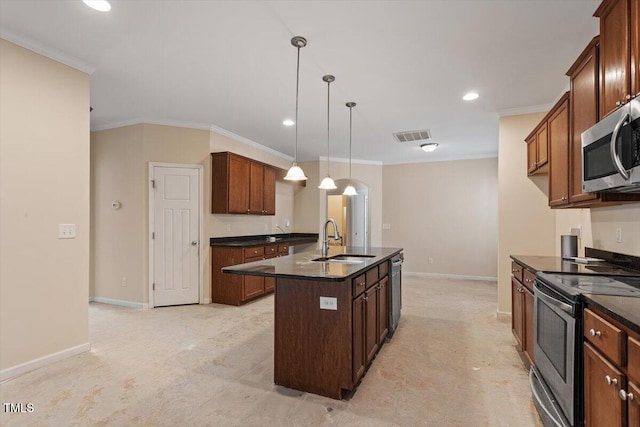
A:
x: 611, y: 152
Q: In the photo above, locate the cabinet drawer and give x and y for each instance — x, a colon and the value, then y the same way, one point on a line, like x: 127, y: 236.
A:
x: 358, y: 285
x: 608, y: 339
x: 516, y: 270
x: 383, y: 269
x: 254, y: 252
x: 283, y: 249
x: 528, y: 278
x: 633, y: 368
x: 372, y: 276
x: 270, y: 250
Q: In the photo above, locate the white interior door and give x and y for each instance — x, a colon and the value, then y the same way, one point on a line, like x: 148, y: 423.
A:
x: 176, y: 229
x: 357, y: 220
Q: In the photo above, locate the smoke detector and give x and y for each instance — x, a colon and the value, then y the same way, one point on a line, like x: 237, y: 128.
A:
x: 413, y: 135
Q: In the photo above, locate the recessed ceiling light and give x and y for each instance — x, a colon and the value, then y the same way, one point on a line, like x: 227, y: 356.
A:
x: 288, y: 122
x: 470, y: 96
x: 101, y: 5
x: 429, y: 147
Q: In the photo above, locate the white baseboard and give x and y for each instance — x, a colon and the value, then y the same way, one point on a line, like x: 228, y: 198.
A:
x: 14, y: 371
x: 449, y: 276
x: 206, y: 301
x: 123, y: 303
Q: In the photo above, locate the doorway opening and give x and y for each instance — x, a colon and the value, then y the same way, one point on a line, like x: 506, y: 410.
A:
x: 351, y: 213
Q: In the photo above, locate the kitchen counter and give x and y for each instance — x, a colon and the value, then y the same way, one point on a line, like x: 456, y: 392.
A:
x: 260, y: 240
x: 625, y: 310
x: 302, y: 266
x: 555, y: 264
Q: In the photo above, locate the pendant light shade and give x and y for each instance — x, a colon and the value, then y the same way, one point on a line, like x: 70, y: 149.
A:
x: 295, y: 173
x: 350, y: 190
x: 328, y: 183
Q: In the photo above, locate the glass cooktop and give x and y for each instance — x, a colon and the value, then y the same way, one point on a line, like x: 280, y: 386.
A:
x: 575, y: 284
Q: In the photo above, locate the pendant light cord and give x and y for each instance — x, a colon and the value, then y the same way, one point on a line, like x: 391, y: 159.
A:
x: 297, y: 90
x: 328, y: 137
x: 350, y: 132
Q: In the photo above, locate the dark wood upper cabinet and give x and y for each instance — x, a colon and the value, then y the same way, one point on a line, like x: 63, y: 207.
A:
x: 618, y: 26
x: 242, y: 186
x: 558, y: 128
x: 537, y: 149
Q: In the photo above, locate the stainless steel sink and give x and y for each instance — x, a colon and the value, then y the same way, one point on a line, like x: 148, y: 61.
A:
x: 344, y: 258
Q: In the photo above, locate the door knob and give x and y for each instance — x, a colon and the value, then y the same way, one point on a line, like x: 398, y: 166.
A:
x: 624, y: 395
x: 594, y: 333
x: 194, y: 243
x: 610, y: 380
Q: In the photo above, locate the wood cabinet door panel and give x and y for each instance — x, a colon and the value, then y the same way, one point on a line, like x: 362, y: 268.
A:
x: 516, y: 270
x: 602, y: 405
x: 528, y: 324
x: 633, y: 360
x: 383, y: 310
x: 542, y: 143
x: 253, y: 286
x: 269, y: 284
x: 269, y: 192
x: 517, y: 313
x: 614, y: 55
x: 584, y: 114
x: 532, y: 154
x: 359, y: 320
x: 238, y: 185
x: 371, y: 325
x: 559, y: 157
x: 633, y: 406
x: 256, y: 188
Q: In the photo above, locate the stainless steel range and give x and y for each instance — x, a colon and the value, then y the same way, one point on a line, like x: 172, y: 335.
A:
x: 555, y: 380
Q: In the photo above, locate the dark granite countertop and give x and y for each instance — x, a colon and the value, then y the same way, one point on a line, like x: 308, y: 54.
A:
x: 302, y: 266
x: 555, y: 264
x: 262, y: 239
x: 626, y: 310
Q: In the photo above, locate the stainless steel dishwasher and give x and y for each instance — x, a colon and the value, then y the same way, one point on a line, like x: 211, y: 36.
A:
x: 395, y: 292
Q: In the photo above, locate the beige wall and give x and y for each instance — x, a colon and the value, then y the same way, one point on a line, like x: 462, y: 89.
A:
x: 446, y: 211
x: 44, y: 181
x: 526, y: 223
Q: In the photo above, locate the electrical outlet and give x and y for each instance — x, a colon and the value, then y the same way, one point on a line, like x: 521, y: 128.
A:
x: 328, y: 303
x: 66, y: 231
x: 430, y: 260
x: 576, y: 231
x: 123, y: 282
x: 619, y: 235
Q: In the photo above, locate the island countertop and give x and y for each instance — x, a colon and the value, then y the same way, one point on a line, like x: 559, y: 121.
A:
x: 302, y: 266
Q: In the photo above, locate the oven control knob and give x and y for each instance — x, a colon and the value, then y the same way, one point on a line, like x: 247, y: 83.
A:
x: 624, y: 395
x: 595, y: 333
x: 610, y: 380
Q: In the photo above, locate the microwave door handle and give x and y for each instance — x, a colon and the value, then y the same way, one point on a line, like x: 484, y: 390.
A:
x: 614, y: 147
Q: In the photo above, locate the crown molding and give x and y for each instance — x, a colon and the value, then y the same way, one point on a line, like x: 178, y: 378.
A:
x: 44, y: 50
x: 447, y: 159
x: 249, y: 142
x: 543, y: 108
x: 353, y: 161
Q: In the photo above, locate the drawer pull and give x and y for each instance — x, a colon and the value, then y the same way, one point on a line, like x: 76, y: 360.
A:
x: 595, y: 333
x: 514, y: 270
x: 610, y: 380
x: 625, y: 396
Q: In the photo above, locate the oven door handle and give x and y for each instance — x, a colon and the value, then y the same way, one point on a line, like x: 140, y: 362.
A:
x: 552, y: 301
x: 614, y: 147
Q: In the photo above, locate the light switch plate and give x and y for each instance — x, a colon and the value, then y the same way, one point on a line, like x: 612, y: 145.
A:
x: 386, y: 226
x: 328, y: 303
x: 66, y: 231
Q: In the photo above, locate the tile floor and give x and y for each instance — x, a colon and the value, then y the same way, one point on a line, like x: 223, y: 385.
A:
x: 450, y: 363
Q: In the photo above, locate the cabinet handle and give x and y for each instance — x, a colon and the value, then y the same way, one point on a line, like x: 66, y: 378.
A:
x: 619, y: 103
x: 610, y: 380
x: 361, y: 284
x: 595, y: 333
x: 628, y: 97
x: 366, y: 298
x: 624, y: 395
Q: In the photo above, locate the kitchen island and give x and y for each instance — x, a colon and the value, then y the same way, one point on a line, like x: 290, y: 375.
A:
x: 331, y: 316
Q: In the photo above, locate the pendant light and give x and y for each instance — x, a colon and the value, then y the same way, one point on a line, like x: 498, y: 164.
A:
x: 295, y: 173
x: 350, y: 190
x: 327, y: 183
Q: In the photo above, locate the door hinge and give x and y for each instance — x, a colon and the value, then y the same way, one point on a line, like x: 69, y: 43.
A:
x: 153, y: 235
x: 153, y: 183
x: 154, y: 287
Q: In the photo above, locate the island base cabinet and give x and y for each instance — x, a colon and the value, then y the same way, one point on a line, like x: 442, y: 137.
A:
x: 634, y: 405
x: 359, y: 320
x: 371, y: 316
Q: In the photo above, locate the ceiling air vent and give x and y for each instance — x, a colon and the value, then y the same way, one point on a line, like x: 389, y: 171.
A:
x: 413, y: 135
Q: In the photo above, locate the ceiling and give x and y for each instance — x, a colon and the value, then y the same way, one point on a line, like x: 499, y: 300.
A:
x: 230, y: 65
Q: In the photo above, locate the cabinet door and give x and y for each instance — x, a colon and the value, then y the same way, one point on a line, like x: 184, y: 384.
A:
x: 253, y: 286
x: 559, y: 159
x: 583, y: 113
x: 614, y: 55
x: 635, y: 47
x: 371, y: 322
x: 238, y: 185
x: 517, y: 312
x: 269, y: 194
x: 359, y: 321
x: 383, y: 309
x: 528, y: 323
x: 532, y: 154
x: 633, y: 405
x: 602, y: 405
x: 256, y: 188
x: 542, y: 145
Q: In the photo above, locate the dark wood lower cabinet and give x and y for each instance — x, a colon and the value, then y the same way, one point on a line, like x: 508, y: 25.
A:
x: 328, y: 351
x: 253, y: 286
x: 522, y: 281
x: 528, y: 323
x: 517, y: 312
x: 633, y: 405
x: 603, y: 406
